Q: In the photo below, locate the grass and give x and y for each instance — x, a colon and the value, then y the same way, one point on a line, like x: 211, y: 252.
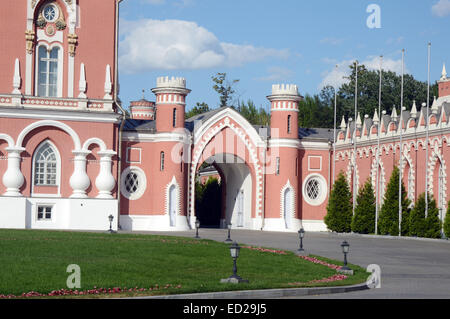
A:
x: 33, y: 260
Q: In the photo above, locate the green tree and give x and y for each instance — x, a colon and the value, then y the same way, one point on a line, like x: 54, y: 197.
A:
x: 256, y: 116
x: 364, y: 219
x: 339, y: 207
x: 224, y: 88
x: 447, y: 221
x: 198, y: 109
x: 422, y: 226
x: 388, y: 220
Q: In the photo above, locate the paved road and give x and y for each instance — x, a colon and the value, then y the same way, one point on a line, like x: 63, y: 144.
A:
x: 410, y: 268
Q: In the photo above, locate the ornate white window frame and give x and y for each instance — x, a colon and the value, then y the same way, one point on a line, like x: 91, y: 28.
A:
x: 58, y: 169
x: 322, y: 196
x: 142, y: 183
x: 59, y: 81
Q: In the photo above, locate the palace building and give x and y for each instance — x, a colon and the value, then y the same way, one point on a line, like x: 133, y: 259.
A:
x: 70, y: 158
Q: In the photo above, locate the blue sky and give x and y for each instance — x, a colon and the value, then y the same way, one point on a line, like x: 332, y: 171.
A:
x: 265, y: 42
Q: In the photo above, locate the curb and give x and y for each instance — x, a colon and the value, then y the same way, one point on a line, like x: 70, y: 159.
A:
x: 436, y: 240
x: 264, y: 294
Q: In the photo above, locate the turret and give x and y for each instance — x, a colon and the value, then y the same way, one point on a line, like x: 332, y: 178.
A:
x: 284, y: 110
x: 142, y: 109
x: 170, y: 103
x: 444, y: 83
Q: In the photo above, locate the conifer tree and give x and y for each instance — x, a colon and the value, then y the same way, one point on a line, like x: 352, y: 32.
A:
x: 388, y: 220
x: 363, y: 221
x: 339, y: 208
x: 447, y: 221
x: 425, y: 227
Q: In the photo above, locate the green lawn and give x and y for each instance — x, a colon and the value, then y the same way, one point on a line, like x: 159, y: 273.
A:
x: 32, y: 260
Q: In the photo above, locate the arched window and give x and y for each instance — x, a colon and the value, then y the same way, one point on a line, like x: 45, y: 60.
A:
x: 45, y: 165
x: 441, y: 194
x: 161, y: 167
x: 174, y: 120
x: 289, y: 124
x: 47, y: 72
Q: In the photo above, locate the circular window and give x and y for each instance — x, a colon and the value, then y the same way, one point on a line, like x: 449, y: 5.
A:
x: 50, y: 13
x: 133, y: 183
x: 314, y: 189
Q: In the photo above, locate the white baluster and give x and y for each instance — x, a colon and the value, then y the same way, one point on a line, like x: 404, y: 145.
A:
x: 79, y: 181
x: 13, y: 178
x: 105, y: 181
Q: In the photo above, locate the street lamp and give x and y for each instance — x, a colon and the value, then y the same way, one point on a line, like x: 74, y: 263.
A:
x: 345, y: 247
x: 235, y: 278
x: 197, y: 226
x: 301, y: 234
x: 110, y: 230
x: 228, y: 240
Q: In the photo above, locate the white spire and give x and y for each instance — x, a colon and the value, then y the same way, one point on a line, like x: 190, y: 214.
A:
x: 108, y: 84
x: 375, y: 119
x: 16, y: 79
x: 82, y: 83
x: 413, y: 112
x: 343, y: 124
x: 358, y: 121
x: 434, y: 106
x: 394, y: 114
x: 444, y: 73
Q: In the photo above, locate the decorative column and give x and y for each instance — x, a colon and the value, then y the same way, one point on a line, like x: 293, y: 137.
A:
x: 13, y: 178
x: 105, y: 181
x: 79, y: 181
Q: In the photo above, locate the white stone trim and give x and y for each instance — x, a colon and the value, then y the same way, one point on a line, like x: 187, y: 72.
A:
x: 435, y: 156
x: 323, y: 189
x: 140, y: 155
x: 142, y: 183
x: 314, y: 169
x: 60, y: 79
x: 204, y: 139
x: 94, y: 140
x: 381, y: 176
x: 58, y: 169
x: 410, y: 188
x: 293, y: 204
x: 173, y: 183
x: 350, y: 171
x: 62, y: 126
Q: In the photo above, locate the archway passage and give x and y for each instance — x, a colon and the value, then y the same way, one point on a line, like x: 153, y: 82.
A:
x: 228, y: 200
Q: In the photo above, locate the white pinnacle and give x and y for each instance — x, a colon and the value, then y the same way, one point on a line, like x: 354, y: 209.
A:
x: 444, y: 73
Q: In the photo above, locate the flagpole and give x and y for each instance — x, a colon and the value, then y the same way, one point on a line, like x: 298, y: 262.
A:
x: 426, y: 143
x: 401, y: 153
x: 378, y: 149
x: 354, y: 140
x: 334, y: 140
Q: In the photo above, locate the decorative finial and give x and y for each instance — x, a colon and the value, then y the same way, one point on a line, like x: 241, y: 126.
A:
x: 444, y: 73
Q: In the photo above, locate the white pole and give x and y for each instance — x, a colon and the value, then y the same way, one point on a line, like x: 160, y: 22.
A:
x: 334, y: 134
x: 378, y: 149
x: 426, y: 123
x: 401, y: 153
x: 354, y: 140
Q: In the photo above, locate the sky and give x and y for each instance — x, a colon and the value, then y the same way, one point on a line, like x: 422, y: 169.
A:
x: 265, y: 42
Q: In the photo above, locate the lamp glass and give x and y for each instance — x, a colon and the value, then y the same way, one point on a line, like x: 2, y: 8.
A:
x: 197, y: 223
x: 234, y: 250
x: 301, y: 233
x: 111, y: 217
x: 229, y: 225
x: 345, y: 247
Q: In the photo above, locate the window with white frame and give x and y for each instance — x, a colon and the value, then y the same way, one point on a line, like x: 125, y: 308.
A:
x: 48, y: 71
x: 45, y: 165
x: 133, y: 182
x: 315, y: 189
x: 44, y: 212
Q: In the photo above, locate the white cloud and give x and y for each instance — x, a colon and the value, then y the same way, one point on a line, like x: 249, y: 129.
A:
x: 441, y: 9
x: 336, y: 76
x: 276, y: 74
x: 176, y: 44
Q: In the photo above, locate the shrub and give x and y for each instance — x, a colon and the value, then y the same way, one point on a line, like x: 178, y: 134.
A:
x: 388, y: 219
x: 339, y: 207
x: 364, y: 219
x: 447, y: 221
x: 425, y: 227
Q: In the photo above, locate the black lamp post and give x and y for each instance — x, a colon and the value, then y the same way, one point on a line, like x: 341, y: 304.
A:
x: 110, y: 230
x: 234, y: 250
x: 345, y: 247
x: 197, y: 226
x: 228, y: 240
x: 301, y: 234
